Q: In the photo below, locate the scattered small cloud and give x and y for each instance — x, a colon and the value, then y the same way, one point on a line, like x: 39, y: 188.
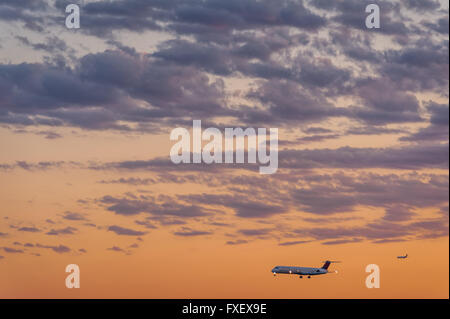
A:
x: 60, y: 249
x: 125, y: 231
x: 188, y: 232
x: 12, y: 250
x: 73, y: 216
x: 64, y: 231
x: 29, y: 229
x: 237, y: 242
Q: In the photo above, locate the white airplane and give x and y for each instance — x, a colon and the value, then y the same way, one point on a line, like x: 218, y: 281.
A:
x: 403, y: 257
x: 303, y: 271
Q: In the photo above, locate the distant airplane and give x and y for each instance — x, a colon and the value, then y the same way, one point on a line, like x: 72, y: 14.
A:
x: 303, y: 271
x: 402, y: 257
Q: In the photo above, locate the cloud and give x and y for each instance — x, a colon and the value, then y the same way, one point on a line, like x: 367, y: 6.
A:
x: 309, y: 139
x: 52, y: 44
x: 296, y: 242
x: 423, y: 67
x: 430, y: 155
x: 64, y: 231
x: 194, y: 17
x: 407, y: 157
x: 115, y: 248
x: 340, y: 242
x: 77, y: 97
x: 237, y: 242
x: 146, y: 224
x: 255, y: 232
x: 73, y: 216
x: 378, y: 232
x: 391, y: 191
x: 130, y: 181
x: 132, y: 206
x: 125, y: 231
x: 437, y: 130
x: 29, y: 229
x: 387, y: 241
x: 60, y: 249
x: 187, y: 232
x: 287, y: 102
x: 296, y: 65
x: 398, y: 213
x: 21, y: 11
x: 39, y: 166
x: 12, y: 250
x: 423, y: 5
x: 393, y: 106
x: 242, y: 206
x: 440, y: 26
x: 253, y: 39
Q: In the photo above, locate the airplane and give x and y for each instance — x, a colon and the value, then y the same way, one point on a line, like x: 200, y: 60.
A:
x: 303, y: 271
x: 402, y: 257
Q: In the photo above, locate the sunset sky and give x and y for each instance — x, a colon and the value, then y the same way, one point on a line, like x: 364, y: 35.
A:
x: 86, y: 178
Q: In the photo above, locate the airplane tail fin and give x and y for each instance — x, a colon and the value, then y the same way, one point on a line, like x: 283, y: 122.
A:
x: 327, y: 263
x: 325, y: 266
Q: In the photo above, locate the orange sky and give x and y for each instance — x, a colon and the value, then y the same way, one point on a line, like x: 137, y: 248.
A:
x: 168, y: 266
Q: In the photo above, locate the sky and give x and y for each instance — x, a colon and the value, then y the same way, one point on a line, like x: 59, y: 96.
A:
x: 86, y: 177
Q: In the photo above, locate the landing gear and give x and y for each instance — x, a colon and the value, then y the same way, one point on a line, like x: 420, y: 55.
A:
x: 309, y: 276
x: 274, y: 274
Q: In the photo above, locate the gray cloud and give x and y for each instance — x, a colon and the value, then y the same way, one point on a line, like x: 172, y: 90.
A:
x: 408, y: 157
x: 148, y: 92
x: 73, y: 216
x: 125, y: 231
x: 116, y: 248
x: 146, y: 224
x: 291, y: 243
x: 342, y: 241
x: 63, y: 231
x: 188, y: 232
x: 242, y: 206
x: 437, y: 130
x: 29, y: 229
x: 12, y: 250
x: 77, y: 97
x: 255, y: 232
x: 60, y: 249
x: 149, y: 205
x: 388, y: 191
x: 236, y: 242
x: 377, y: 232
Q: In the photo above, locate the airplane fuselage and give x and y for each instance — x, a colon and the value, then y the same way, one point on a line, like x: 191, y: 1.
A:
x: 292, y: 270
